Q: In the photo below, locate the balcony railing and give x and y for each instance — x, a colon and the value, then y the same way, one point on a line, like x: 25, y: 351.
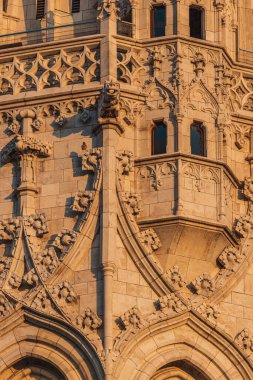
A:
x: 42, y: 35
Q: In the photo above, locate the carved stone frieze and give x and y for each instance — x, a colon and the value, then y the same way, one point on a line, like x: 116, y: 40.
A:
x: 38, y: 222
x: 91, y: 159
x: 65, y: 292
x: 125, y: 162
x: 203, y: 285
x: 130, y: 65
x: 245, y: 341
x: 171, y: 302
x: 157, y: 172
x: 82, y: 201
x: 174, y: 275
x: 65, y: 240
x: 9, y: 229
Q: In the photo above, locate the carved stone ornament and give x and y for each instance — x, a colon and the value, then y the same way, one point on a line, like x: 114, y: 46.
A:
x: 156, y: 59
x: 65, y: 240
x: 31, y: 278
x: 156, y: 172
x: 248, y: 188
x: 25, y: 145
x: 150, y: 240
x: 37, y: 124
x: 244, y: 226
x: 5, y: 307
x: 47, y: 260
x: 199, y: 64
x: 171, y: 302
x: 82, y: 201
x: 107, y: 8
x: 89, y: 320
x: 125, y: 162
x: 209, y: 312
x: 245, y: 340
x: 133, y: 319
x: 65, y: 292
x: 14, y: 127
x: 90, y: 159
x: 204, y: 285
x: 9, y: 229
x: 133, y: 202
x: 61, y: 120
x: 41, y: 302
x: 230, y: 258
x: 39, y: 223
x: 5, y: 264
x: 109, y: 106
x: 15, y: 281
x: 175, y: 277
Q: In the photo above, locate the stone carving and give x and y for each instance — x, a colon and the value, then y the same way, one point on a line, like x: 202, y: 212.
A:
x: 60, y: 120
x: 15, y: 281
x: 5, y: 307
x: 45, y: 70
x: 174, y: 275
x: 31, y: 278
x: 230, y: 258
x: 133, y: 202
x: 39, y: 223
x: 204, y: 285
x: 9, y: 229
x: 245, y: 341
x: 25, y: 145
x: 91, y: 159
x: 130, y: 65
x: 200, y: 173
x: 65, y: 240
x: 133, y: 319
x: 89, y: 321
x: 109, y: 106
x: 248, y: 188
x: 125, y: 162
x: 241, y: 135
x: 82, y: 201
x: 244, y: 226
x: 107, y: 8
x: 14, y: 127
x: 149, y: 240
x: 5, y: 264
x: 156, y: 172
x: 199, y: 63
x: 37, y: 124
x: 209, y: 312
x: 171, y: 302
x: 65, y: 292
x: 156, y: 59
x: 47, y: 261
x: 42, y: 302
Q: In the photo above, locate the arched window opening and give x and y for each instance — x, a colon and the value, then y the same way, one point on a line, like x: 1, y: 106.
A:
x: 197, y: 22
x: 40, y: 11
x: 125, y: 22
x: 75, y: 6
x: 198, y: 139
x: 5, y: 5
x: 159, y: 138
x: 158, y: 21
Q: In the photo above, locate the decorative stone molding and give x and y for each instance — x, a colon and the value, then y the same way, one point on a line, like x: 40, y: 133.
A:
x: 42, y: 302
x: 65, y: 292
x: 130, y: 65
x: 244, y: 226
x: 89, y: 321
x: 171, y: 302
x: 133, y: 319
x: 230, y: 258
x: 210, y: 312
x: 65, y: 240
x: 125, y: 162
x: 31, y: 278
x: 20, y: 145
x: 5, y: 307
x: 245, y: 341
x: 91, y: 159
x: 203, y: 285
x: 150, y: 240
x: 38, y: 222
x: 174, y: 275
x: 248, y: 188
x: 15, y: 281
x: 156, y: 172
x: 9, y: 229
x: 47, y: 262
x: 82, y: 201
x: 133, y: 202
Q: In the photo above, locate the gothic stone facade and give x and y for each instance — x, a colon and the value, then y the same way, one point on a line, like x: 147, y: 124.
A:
x: 116, y: 263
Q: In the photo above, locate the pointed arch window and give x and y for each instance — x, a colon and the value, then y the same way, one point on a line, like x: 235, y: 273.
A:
x: 40, y: 10
x: 5, y: 5
x: 158, y: 20
x: 197, y: 22
x: 159, y: 138
x: 75, y: 6
x: 198, y: 139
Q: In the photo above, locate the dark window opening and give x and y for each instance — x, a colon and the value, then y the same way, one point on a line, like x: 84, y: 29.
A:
x: 40, y: 12
x: 159, y: 138
x: 75, y: 8
x: 196, y: 17
x: 198, y: 139
x: 158, y: 21
x: 5, y: 5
